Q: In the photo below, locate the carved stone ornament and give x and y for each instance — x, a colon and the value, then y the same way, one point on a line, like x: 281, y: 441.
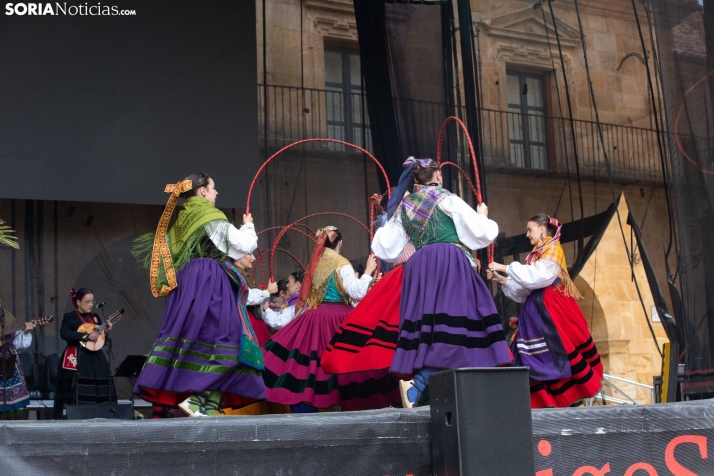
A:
x: 521, y: 37
x: 334, y: 19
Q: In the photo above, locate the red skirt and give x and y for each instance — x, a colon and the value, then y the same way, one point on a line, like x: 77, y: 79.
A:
x: 260, y: 327
x: 367, y: 339
x: 585, y: 365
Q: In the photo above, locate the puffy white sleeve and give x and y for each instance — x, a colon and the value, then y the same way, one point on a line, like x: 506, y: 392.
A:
x: 533, y: 276
x: 256, y: 296
x: 355, y: 288
x: 233, y: 241
x: 22, y: 340
x: 390, y: 240
x: 278, y: 319
x: 515, y: 291
x: 475, y: 231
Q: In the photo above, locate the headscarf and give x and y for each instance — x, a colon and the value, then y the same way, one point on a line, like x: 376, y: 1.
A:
x: 405, y: 180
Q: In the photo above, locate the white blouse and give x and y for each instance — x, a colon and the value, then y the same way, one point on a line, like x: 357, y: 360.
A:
x: 22, y: 340
x: 354, y: 287
x: 235, y: 242
x: 278, y: 319
x: 475, y: 231
x: 256, y: 297
x: 526, y: 278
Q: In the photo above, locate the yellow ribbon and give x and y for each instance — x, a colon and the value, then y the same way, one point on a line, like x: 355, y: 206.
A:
x: 160, y: 252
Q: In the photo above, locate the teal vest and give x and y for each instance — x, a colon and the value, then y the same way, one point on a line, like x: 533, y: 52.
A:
x: 332, y: 294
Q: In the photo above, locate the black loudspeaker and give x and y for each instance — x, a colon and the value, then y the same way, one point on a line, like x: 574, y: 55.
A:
x: 112, y: 411
x: 481, y: 422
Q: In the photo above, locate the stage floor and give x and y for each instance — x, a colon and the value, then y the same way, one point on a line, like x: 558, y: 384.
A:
x: 379, y: 442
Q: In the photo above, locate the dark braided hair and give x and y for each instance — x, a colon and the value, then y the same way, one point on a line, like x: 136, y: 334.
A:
x: 542, y: 219
x: 198, y: 181
x: 333, y: 244
x: 78, y: 295
x: 424, y: 175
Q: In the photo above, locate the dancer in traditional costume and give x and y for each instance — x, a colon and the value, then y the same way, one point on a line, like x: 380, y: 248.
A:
x: 83, y: 375
x: 204, y: 356
x: 367, y: 339
x: 448, y: 318
x: 257, y: 297
x: 293, y: 374
x: 277, y: 319
x: 14, y: 396
x: 552, y: 339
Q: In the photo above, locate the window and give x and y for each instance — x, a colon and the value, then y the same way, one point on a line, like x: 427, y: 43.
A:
x: 343, y: 82
x: 527, y: 121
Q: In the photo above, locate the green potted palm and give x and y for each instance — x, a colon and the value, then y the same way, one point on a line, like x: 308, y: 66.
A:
x: 7, y: 236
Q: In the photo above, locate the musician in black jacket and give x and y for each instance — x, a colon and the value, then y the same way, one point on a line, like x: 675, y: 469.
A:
x: 83, y: 376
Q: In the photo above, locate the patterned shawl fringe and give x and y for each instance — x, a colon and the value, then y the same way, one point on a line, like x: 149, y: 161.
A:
x: 422, y: 205
x: 417, y: 232
x: 317, y: 295
x: 198, y: 245
x: 568, y: 287
x: 552, y: 250
x: 141, y: 251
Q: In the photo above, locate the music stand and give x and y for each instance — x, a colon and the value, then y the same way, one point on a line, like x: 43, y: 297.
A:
x: 131, y: 368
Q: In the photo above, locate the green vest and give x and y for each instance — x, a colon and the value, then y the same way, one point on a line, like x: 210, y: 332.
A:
x: 440, y: 229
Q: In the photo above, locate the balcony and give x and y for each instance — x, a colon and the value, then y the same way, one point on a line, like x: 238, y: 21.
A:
x: 512, y: 142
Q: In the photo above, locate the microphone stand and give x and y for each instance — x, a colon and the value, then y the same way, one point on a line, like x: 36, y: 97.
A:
x: 110, y: 355
x: 80, y: 350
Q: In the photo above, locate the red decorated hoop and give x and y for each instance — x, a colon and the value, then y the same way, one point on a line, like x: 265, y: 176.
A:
x: 287, y: 228
x: 305, y: 141
x: 475, y: 188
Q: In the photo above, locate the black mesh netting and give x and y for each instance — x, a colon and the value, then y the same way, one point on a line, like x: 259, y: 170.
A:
x: 686, y: 61
x: 409, y: 78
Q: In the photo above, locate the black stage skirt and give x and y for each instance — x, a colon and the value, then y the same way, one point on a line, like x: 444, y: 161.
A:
x: 93, y: 378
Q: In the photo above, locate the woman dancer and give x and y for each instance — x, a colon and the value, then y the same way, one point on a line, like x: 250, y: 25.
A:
x: 367, y: 339
x: 203, y: 358
x: 83, y: 375
x: 448, y: 318
x: 552, y: 337
x: 293, y: 375
x: 277, y: 319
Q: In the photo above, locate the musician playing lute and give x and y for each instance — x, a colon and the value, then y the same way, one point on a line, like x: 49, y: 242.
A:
x: 14, y: 396
x: 88, y: 369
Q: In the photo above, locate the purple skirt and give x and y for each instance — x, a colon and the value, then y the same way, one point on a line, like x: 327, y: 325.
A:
x: 199, y: 342
x: 448, y: 318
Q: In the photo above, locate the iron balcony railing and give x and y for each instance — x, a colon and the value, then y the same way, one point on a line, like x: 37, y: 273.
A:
x: 512, y: 142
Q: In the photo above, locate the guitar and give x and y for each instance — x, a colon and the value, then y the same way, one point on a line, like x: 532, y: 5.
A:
x: 41, y: 322
x: 101, y: 330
